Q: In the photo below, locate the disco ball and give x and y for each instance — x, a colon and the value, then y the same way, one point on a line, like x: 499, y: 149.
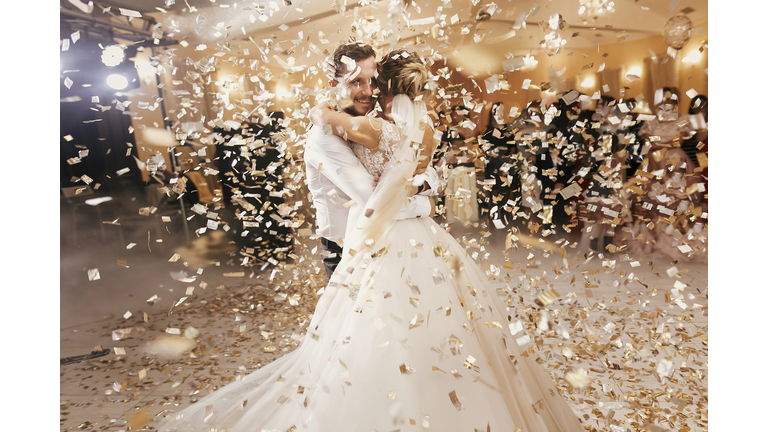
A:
x: 677, y: 31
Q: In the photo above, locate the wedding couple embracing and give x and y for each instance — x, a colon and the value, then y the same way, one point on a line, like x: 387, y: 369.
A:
x: 408, y: 335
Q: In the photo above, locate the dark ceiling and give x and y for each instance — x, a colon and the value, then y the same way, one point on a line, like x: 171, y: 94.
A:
x: 146, y: 6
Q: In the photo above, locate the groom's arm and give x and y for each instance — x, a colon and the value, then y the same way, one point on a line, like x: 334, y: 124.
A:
x: 334, y: 158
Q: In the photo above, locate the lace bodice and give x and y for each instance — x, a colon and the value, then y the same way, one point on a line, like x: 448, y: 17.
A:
x: 376, y: 160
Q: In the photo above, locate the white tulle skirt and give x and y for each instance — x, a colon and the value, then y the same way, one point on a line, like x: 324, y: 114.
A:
x: 415, y: 339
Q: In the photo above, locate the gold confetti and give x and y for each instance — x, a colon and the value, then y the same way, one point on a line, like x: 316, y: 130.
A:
x: 139, y: 419
x: 547, y: 297
x: 578, y: 378
x: 606, y: 333
x: 455, y: 401
x: 469, y: 363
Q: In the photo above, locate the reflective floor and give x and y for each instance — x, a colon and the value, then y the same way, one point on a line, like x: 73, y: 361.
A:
x: 180, y: 317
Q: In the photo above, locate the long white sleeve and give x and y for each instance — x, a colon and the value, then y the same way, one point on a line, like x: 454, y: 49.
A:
x: 335, y: 176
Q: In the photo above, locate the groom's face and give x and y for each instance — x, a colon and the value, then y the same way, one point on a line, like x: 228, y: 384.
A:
x: 358, y: 87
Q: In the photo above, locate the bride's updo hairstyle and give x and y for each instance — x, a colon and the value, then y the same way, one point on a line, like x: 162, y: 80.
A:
x: 403, y: 72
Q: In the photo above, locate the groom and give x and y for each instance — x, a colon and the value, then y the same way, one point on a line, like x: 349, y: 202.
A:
x: 334, y: 174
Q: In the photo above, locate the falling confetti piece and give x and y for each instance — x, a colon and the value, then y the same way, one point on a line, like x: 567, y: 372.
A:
x: 455, y: 401
x: 578, y: 378
x: 93, y: 274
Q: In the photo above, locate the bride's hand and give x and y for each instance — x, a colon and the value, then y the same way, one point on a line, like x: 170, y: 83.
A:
x: 316, y: 113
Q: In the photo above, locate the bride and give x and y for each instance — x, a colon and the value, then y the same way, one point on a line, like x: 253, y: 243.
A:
x: 408, y: 335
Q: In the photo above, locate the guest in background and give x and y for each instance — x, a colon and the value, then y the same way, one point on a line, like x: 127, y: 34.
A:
x: 667, y: 198
x: 566, y: 150
x: 697, y: 143
x: 252, y: 161
x: 497, y: 133
x: 604, y: 109
x: 530, y: 131
x: 629, y: 134
x: 461, y: 161
x: 569, y: 107
x: 605, y: 201
x: 697, y: 146
x: 497, y: 143
x: 459, y: 135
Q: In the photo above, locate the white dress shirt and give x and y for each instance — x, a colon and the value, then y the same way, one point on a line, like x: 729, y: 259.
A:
x: 335, y: 176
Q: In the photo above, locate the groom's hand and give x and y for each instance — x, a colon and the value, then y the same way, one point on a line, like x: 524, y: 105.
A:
x: 376, y: 182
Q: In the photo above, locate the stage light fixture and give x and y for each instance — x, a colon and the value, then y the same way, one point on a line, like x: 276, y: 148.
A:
x: 113, y: 55
x: 117, y: 81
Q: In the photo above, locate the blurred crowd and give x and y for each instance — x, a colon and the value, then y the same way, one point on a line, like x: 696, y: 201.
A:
x: 602, y: 171
x: 612, y: 175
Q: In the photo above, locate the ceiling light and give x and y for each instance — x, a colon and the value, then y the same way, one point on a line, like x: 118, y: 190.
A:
x: 117, y: 81
x: 367, y: 28
x: 113, y: 55
x: 552, y: 39
x: 633, y: 74
x: 595, y: 9
x: 529, y: 62
x: 283, y: 93
x: 693, y: 57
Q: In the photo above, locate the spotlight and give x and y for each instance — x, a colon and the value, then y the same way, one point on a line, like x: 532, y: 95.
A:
x: 113, y: 55
x: 93, y: 63
x: 117, y: 81
x: 282, y: 93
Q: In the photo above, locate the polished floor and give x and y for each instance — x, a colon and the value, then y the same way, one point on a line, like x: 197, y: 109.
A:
x: 625, y: 337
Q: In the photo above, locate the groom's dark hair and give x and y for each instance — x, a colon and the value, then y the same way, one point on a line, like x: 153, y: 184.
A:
x: 357, y: 51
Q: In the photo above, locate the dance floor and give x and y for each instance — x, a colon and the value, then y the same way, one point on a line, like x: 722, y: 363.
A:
x: 624, y: 337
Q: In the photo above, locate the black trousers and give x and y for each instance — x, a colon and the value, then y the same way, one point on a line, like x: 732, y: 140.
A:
x: 331, y: 255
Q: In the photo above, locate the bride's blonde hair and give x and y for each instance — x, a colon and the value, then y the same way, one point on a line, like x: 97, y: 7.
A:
x: 403, y: 72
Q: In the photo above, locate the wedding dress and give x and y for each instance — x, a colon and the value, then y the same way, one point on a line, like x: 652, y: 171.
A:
x: 408, y: 335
